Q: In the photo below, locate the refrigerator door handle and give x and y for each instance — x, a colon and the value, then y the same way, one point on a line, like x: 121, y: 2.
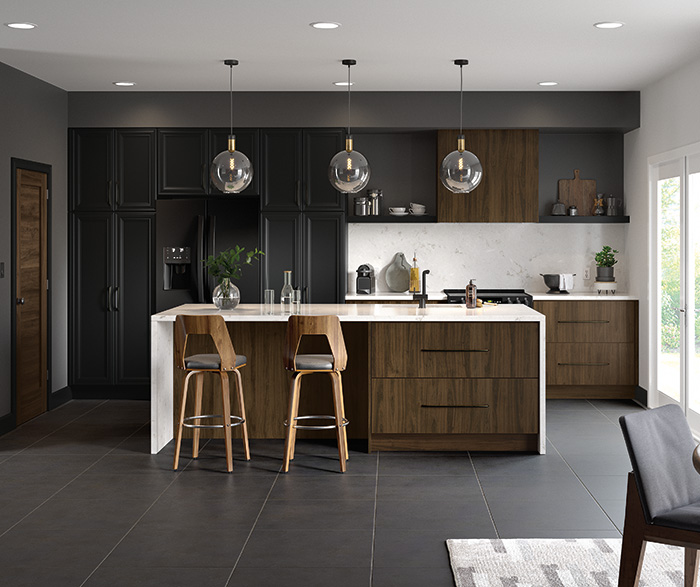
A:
x: 200, y: 271
x: 211, y: 250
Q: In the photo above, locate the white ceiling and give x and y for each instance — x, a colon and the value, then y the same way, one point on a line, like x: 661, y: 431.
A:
x: 400, y: 45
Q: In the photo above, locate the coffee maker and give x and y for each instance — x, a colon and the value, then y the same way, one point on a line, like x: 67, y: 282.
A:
x: 365, y: 279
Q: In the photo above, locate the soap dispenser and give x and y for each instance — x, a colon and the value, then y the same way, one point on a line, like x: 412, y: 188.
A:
x: 470, y: 296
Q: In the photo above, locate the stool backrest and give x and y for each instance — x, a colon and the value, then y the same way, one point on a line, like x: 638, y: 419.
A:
x: 215, y: 327
x: 660, y: 447
x: 328, y: 326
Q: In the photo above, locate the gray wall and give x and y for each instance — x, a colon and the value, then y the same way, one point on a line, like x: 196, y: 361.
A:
x: 33, y: 126
x: 377, y: 110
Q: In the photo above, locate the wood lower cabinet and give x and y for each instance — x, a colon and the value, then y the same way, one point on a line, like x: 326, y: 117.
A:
x: 592, y: 348
x: 454, y: 386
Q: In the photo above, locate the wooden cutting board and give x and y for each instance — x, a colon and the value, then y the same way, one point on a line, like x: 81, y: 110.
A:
x: 578, y: 192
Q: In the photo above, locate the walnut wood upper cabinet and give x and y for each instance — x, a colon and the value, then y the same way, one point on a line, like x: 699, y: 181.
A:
x: 592, y: 348
x: 508, y: 191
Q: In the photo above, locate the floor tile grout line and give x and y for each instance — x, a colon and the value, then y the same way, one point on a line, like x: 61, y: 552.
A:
x: 148, y: 509
x: 374, y: 521
x: 54, y: 494
x: 584, y: 486
x: 255, y: 522
x: 53, y: 431
x: 483, y: 495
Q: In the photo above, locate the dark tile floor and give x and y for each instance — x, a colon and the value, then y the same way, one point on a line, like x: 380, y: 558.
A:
x: 82, y: 502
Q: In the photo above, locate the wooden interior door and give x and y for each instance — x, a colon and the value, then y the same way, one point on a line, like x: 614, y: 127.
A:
x: 31, y: 285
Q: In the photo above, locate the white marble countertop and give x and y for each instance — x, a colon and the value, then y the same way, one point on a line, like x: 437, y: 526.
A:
x: 574, y: 296
x: 365, y: 313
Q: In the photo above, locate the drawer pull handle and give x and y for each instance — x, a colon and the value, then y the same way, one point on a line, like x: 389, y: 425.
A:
x: 583, y: 321
x: 454, y: 350
x: 458, y: 406
x: 583, y: 364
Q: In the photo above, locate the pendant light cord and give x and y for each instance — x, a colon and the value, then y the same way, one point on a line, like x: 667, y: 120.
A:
x: 349, y: 66
x: 230, y: 93
x: 461, y: 99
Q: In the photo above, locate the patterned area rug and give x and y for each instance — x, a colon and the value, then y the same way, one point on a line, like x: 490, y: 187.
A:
x: 557, y: 563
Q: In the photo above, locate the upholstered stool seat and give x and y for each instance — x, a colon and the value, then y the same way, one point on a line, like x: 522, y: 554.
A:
x: 304, y: 364
x: 222, y: 362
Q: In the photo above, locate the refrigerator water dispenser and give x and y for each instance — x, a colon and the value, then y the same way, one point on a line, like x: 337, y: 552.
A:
x: 176, y: 268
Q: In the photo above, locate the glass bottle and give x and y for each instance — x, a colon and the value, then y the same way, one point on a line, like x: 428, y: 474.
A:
x: 470, y: 297
x: 287, y: 293
x: 414, y: 281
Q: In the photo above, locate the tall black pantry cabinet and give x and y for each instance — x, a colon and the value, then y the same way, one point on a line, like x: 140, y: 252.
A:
x: 302, y: 221
x: 112, y: 219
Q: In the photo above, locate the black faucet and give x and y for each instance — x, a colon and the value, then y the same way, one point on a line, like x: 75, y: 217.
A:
x: 422, y: 297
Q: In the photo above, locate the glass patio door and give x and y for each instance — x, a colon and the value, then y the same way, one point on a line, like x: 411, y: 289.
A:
x: 676, y: 184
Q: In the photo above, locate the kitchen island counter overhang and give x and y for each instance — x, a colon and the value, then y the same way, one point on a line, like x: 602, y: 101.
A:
x: 438, y: 378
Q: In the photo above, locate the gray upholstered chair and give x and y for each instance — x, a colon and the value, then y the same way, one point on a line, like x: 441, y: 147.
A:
x: 663, y: 490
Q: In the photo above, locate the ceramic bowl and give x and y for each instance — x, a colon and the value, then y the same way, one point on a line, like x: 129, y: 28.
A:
x: 397, y: 210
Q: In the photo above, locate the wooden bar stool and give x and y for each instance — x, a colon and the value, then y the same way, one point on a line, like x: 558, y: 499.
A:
x: 222, y: 363
x: 333, y: 364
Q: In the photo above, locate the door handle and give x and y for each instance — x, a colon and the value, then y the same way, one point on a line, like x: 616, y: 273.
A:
x: 116, y: 299
x: 109, y: 298
x: 20, y: 301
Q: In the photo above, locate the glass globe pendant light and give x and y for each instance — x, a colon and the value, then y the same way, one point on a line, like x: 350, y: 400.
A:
x: 231, y: 171
x: 461, y: 171
x: 349, y: 170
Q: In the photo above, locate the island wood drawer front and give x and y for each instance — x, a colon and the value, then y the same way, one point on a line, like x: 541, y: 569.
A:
x: 455, y: 349
x: 454, y: 406
x: 592, y: 364
x: 589, y: 321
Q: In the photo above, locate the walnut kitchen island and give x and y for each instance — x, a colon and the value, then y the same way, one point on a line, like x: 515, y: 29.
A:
x: 439, y: 378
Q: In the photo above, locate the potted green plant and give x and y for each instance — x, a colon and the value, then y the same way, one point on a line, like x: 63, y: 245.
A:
x: 228, y: 265
x: 604, y: 260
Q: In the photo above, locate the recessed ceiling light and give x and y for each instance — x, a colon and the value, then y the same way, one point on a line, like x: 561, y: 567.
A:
x: 548, y: 83
x: 124, y: 84
x: 21, y: 25
x: 609, y: 25
x: 345, y: 84
x: 325, y: 25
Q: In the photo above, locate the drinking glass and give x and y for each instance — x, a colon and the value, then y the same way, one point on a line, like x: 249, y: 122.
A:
x: 296, y: 301
x: 269, y: 301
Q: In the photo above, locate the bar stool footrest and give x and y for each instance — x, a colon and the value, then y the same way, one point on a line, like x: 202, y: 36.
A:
x: 235, y: 421
x: 345, y: 422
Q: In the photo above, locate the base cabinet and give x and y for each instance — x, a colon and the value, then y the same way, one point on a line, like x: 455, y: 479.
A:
x: 592, y: 348
x: 454, y: 386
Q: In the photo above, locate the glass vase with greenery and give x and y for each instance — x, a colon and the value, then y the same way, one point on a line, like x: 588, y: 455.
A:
x: 226, y: 266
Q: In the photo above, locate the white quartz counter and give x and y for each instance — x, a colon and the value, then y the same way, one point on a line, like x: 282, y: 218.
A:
x: 583, y: 296
x: 365, y: 313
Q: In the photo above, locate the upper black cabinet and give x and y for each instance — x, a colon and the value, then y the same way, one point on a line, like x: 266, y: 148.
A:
x: 295, y: 170
x: 112, y: 170
x: 185, y: 156
x: 182, y: 162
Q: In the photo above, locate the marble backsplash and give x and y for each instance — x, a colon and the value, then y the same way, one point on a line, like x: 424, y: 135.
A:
x: 497, y: 255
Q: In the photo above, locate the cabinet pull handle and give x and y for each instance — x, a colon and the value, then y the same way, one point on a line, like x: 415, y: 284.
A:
x: 116, y: 193
x: 583, y: 364
x: 583, y: 321
x: 454, y: 350
x: 109, y: 193
x: 116, y: 299
x: 480, y: 406
x: 109, y: 298
x: 297, y: 194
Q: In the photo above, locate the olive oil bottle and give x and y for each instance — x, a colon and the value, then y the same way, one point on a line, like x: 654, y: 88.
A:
x: 414, y: 282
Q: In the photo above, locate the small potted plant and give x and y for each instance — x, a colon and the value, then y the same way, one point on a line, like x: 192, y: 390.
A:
x: 604, y: 260
x: 228, y: 265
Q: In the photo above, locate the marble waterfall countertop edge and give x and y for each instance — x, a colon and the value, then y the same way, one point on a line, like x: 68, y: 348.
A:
x: 365, y: 313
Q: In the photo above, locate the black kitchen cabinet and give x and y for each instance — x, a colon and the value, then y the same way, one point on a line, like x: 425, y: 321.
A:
x: 112, y: 170
x: 295, y: 170
x: 111, y: 299
x: 182, y: 162
x: 302, y: 225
